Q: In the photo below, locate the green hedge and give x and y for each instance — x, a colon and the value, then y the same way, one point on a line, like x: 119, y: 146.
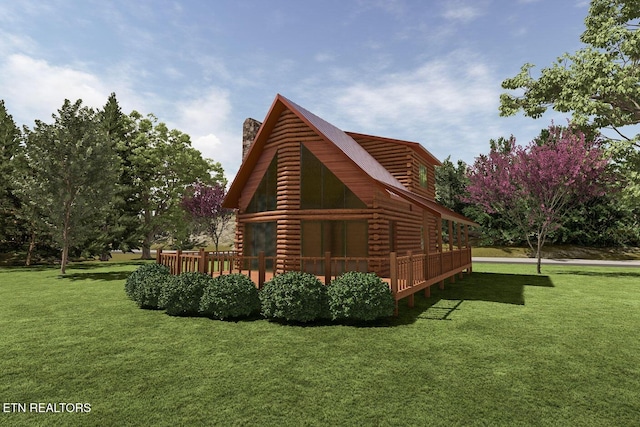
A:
x: 228, y: 296
x: 294, y: 296
x: 145, y: 284
x: 182, y: 294
x: 359, y: 296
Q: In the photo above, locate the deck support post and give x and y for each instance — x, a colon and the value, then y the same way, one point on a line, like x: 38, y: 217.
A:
x: 159, y: 255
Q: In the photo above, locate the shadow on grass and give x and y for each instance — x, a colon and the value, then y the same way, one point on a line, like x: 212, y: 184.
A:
x: 602, y: 273
x: 489, y: 287
x: 102, y: 276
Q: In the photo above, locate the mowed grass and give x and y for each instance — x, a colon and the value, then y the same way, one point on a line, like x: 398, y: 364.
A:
x: 500, y: 347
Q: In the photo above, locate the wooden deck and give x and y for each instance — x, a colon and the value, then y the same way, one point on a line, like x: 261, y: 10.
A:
x: 407, y: 274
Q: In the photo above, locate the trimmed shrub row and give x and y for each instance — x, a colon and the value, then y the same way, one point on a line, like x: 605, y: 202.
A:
x: 145, y: 284
x: 293, y: 296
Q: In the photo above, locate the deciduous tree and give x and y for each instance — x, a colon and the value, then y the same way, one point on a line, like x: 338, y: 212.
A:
x: 534, y: 186
x: 163, y: 164
x: 599, y: 84
x: 204, y: 205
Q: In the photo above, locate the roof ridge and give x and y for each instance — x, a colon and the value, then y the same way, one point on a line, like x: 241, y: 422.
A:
x: 349, y: 146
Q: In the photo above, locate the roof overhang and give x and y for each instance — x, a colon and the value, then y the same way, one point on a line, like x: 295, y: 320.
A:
x: 429, y: 205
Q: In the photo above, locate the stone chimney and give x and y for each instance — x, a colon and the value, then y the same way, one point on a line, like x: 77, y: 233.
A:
x: 249, y: 131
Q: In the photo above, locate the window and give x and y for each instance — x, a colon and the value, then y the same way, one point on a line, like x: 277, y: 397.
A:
x: 260, y: 237
x: 393, y: 239
x: 341, y: 238
x: 423, y: 176
x: 320, y: 188
x: 264, y: 199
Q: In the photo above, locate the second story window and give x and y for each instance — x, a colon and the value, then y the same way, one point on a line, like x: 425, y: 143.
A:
x: 423, y: 176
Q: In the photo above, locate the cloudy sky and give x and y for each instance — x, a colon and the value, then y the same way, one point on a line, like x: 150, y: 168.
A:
x: 420, y: 70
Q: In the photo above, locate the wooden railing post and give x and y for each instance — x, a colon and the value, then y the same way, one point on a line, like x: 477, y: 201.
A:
x: 159, y: 256
x: 393, y: 274
x: 201, y: 261
x: 262, y: 267
x: 178, y: 261
x: 410, y: 275
x: 327, y: 268
x: 466, y: 244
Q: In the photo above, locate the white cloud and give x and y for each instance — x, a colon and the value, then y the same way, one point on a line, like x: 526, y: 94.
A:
x: 37, y: 89
x: 207, y: 119
x: 458, y: 11
x: 324, y: 57
x: 449, y: 104
x: 451, y: 86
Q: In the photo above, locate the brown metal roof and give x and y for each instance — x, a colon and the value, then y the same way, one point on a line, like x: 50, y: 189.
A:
x: 416, y: 146
x: 346, y: 144
x: 431, y: 206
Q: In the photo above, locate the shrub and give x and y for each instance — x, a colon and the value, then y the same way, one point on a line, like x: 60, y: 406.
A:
x: 145, y: 284
x: 232, y: 295
x: 294, y: 296
x: 359, y: 296
x: 181, y: 295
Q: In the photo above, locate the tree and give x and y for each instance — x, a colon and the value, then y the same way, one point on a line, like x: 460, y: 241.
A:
x: 204, y: 205
x: 451, y: 184
x: 163, y: 164
x: 9, y: 146
x: 599, y: 84
x: 70, y: 167
x: 120, y: 230
x: 535, y: 186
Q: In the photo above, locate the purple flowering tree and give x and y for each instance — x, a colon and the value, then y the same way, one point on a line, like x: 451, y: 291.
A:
x: 204, y: 204
x: 535, y: 186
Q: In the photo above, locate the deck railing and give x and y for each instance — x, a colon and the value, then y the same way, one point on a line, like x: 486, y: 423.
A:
x: 406, y: 274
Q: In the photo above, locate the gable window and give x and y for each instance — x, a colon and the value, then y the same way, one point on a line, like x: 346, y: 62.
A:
x: 423, y: 176
x: 265, y: 197
x: 320, y: 188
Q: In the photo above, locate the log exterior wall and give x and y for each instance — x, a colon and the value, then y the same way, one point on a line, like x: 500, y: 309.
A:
x: 402, y: 161
x: 382, y: 208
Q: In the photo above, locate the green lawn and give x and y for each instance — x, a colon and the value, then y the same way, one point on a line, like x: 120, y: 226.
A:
x: 501, y: 347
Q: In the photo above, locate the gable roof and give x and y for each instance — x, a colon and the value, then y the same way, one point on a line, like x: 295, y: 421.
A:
x: 331, y: 134
x: 346, y: 144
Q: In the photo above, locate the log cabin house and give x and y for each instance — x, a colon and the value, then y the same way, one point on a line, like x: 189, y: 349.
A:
x: 308, y: 193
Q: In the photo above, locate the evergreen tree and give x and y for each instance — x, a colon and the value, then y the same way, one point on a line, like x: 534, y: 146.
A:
x: 70, y: 168
x: 10, y: 227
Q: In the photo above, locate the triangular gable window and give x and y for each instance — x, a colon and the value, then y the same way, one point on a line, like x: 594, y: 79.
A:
x: 265, y: 197
x: 320, y: 188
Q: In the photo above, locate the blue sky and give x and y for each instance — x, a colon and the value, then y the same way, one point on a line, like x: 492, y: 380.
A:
x: 426, y: 71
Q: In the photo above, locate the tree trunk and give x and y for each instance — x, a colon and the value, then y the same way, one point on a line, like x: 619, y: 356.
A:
x: 32, y: 245
x: 146, y: 251
x: 65, y: 257
x: 104, y: 256
x: 146, y: 245
x: 539, y: 254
